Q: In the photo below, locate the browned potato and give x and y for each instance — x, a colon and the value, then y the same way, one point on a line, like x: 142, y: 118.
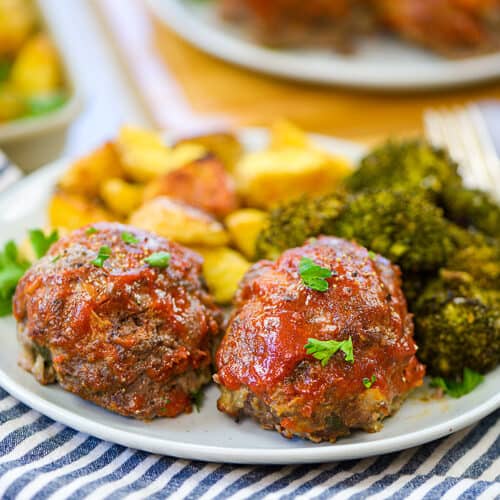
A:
x: 179, y: 222
x: 265, y: 178
x: 71, y: 211
x: 86, y: 175
x: 37, y: 69
x: 244, y: 227
x: 202, y: 183
x: 120, y: 196
x: 223, y: 269
x: 145, y: 156
x: 285, y: 134
x: 223, y: 144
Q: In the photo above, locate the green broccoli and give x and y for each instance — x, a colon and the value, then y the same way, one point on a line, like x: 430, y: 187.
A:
x: 457, y: 325
x: 472, y: 207
x: 411, y: 165
x: 290, y: 224
x: 405, y: 228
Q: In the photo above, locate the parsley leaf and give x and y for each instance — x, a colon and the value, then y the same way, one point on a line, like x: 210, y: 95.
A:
x: 314, y: 276
x: 12, y: 268
x: 372, y: 255
x: 91, y: 230
x: 197, y: 399
x: 368, y: 382
x: 40, y: 242
x: 457, y: 389
x: 158, y: 259
x: 129, y: 238
x: 325, y: 349
x: 103, y: 254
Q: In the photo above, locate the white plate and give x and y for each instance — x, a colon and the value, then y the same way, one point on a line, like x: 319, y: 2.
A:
x: 382, y: 63
x: 211, y: 435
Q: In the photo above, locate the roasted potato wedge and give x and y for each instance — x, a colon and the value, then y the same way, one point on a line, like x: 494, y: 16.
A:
x: 266, y: 178
x: 37, y: 69
x: 203, y: 183
x: 179, y: 222
x: 223, y: 269
x: 143, y: 154
x: 71, y: 211
x: 223, y: 145
x: 86, y: 175
x: 285, y: 134
x: 120, y: 196
x: 244, y: 227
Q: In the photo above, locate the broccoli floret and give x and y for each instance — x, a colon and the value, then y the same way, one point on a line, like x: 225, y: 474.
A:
x: 409, y: 165
x: 407, y: 229
x: 472, y: 207
x: 290, y: 224
x: 457, y: 325
x: 481, y: 262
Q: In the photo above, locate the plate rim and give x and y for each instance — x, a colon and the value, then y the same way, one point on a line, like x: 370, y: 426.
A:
x: 209, y: 453
x: 454, y: 73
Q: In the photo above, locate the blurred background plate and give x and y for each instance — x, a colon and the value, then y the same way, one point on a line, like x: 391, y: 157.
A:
x: 211, y: 435
x: 379, y: 63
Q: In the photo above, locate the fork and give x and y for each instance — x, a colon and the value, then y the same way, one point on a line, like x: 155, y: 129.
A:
x: 464, y: 132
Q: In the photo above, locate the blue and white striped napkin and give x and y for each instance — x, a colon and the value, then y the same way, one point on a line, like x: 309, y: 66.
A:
x: 42, y: 459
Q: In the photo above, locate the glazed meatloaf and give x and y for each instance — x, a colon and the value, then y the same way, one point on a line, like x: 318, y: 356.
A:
x: 271, y: 363
x: 120, y: 317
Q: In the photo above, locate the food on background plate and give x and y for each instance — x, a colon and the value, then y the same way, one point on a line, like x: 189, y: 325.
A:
x: 320, y: 342
x: 31, y: 75
x: 451, y: 27
x: 120, y: 317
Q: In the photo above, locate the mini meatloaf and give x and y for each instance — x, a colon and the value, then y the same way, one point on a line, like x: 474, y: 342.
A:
x: 120, y: 317
x: 264, y: 370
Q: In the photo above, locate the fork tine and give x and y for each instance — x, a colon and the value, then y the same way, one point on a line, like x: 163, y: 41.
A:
x: 463, y: 131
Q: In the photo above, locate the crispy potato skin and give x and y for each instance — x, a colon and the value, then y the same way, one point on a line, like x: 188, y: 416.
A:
x: 180, y: 222
x: 86, y: 175
x: 263, y: 368
x: 203, y: 183
x: 71, y: 211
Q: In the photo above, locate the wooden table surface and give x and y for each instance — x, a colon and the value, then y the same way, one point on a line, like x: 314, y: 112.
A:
x: 181, y: 85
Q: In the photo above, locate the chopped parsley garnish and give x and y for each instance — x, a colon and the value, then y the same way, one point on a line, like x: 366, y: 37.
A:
x: 325, y: 349
x: 129, y: 238
x: 91, y: 230
x: 456, y: 389
x: 158, y: 259
x: 368, y: 382
x: 40, y: 242
x: 197, y: 399
x: 314, y: 276
x: 12, y: 268
x: 56, y: 258
x: 103, y: 255
x: 372, y: 255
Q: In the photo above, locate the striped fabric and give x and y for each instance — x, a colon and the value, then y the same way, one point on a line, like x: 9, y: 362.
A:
x: 42, y: 459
